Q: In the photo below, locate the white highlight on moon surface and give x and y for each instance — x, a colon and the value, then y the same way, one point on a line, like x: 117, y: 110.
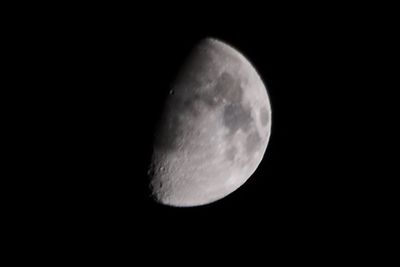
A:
x: 214, y: 130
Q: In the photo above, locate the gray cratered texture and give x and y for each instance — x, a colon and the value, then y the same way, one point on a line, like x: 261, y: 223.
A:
x: 214, y: 130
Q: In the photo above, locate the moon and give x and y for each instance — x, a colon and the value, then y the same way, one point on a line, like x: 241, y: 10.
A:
x: 214, y: 130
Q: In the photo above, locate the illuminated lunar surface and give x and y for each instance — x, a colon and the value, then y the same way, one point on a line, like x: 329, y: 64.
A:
x: 214, y: 130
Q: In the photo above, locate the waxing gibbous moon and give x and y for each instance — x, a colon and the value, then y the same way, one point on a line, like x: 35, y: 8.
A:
x: 214, y: 130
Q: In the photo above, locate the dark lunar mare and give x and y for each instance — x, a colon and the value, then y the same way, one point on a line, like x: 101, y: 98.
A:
x: 182, y: 103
